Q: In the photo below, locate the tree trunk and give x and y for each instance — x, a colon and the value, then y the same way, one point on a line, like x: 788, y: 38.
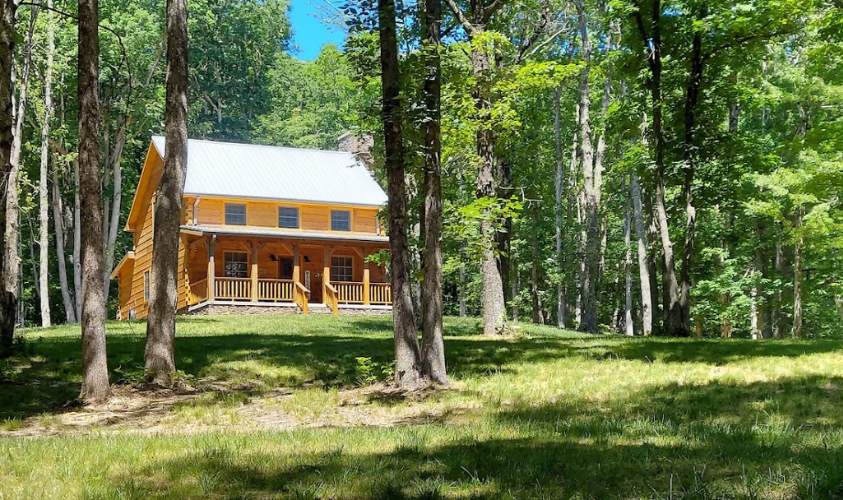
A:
x: 796, y: 331
x: 11, y: 260
x: 561, y: 296
x: 112, y: 223
x: 407, y: 355
x: 692, y: 94
x: 8, y: 299
x: 674, y: 322
x: 61, y: 257
x: 535, y: 270
x: 492, y: 296
x: 589, y: 196
x: 77, y: 241
x: 629, y: 328
x: 95, y: 379
x: 160, y: 365
x: 43, y: 203
x: 433, y: 346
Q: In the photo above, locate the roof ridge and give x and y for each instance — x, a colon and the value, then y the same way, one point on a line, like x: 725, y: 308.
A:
x: 271, y: 146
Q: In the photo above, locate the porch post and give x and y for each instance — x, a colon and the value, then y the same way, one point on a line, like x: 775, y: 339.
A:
x: 296, y: 264
x: 212, y: 249
x: 254, y: 273
x: 326, y: 273
x: 365, y: 277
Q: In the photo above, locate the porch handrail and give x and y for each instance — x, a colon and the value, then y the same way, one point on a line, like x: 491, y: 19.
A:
x: 275, y: 290
x: 380, y: 293
x: 197, y: 291
x: 233, y: 288
x: 331, y: 298
x: 301, y: 296
x: 349, y: 292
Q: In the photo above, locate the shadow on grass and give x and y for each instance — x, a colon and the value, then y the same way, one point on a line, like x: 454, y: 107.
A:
x: 282, y: 352
x: 768, y: 440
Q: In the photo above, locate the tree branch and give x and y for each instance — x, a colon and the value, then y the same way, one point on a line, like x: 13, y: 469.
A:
x: 460, y: 15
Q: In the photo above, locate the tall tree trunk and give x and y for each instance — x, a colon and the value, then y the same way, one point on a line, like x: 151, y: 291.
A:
x: 589, y: 196
x: 559, y: 192
x: 492, y: 296
x: 61, y: 257
x: 112, y: 223
x: 160, y: 365
x: 433, y: 346
x: 407, y: 355
x: 675, y: 324
x: 692, y: 95
x: 95, y: 378
x: 77, y: 240
x: 796, y: 331
x: 43, y: 197
x: 11, y: 260
x: 535, y: 270
x: 629, y: 328
x: 8, y: 297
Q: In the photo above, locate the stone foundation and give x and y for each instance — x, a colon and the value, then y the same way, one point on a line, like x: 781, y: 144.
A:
x: 248, y: 308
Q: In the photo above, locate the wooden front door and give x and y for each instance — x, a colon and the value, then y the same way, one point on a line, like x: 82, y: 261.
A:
x: 312, y: 266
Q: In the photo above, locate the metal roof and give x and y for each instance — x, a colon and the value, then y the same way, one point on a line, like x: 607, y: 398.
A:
x: 285, y: 233
x: 274, y: 172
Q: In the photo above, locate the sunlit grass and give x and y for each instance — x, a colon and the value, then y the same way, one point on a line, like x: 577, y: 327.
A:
x: 281, y: 411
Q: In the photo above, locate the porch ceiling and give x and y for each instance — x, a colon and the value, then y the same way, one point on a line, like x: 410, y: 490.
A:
x: 283, y: 233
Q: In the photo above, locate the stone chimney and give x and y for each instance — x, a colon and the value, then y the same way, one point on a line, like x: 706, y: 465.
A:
x: 358, y: 145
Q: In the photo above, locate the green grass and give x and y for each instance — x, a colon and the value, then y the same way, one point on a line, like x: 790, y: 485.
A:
x: 282, y: 410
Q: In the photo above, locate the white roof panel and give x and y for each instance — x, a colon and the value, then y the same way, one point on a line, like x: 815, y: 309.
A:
x: 274, y: 172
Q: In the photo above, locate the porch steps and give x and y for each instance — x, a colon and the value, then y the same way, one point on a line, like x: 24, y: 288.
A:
x: 316, y: 308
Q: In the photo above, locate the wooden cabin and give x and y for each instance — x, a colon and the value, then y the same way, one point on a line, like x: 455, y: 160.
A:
x: 264, y: 228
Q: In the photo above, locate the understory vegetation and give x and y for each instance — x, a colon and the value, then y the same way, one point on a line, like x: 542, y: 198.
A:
x: 294, y: 406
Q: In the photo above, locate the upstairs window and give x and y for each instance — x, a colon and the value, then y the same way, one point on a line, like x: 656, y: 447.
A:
x: 235, y: 214
x: 236, y: 265
x: 341, y: 268
x: 340, y: 220
x: 288, y: 217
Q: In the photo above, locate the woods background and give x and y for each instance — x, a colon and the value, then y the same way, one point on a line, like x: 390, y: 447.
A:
x: 643, y: 167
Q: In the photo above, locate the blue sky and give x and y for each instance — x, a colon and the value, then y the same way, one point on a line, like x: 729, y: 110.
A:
x: 315, y: 23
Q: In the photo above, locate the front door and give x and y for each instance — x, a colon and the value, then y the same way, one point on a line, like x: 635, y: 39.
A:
x: 315, y: 286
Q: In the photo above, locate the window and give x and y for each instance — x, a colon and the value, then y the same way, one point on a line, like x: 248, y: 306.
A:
x: 236, y: 265
x: 340, y: 220
x: 235, y: 214
x: 288, y: 217
x: 341, y: 269
x: 146, y: 286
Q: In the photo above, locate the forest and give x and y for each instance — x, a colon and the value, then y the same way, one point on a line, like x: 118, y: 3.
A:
x: 642, y: 167
x: 614, y: 264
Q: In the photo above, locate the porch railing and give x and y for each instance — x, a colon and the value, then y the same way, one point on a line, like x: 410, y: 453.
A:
x: 354, y: 292
x: 233, y: 288
x: 197, y: 291
x: 349, y: 292
x: 380, y: 293
x: 274, y: 290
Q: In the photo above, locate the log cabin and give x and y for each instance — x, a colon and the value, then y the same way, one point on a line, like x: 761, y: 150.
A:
x: 264, y: 228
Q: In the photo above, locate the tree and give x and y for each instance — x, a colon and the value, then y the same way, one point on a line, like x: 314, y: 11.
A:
x: 43, y: 203
x: 8, y: 298
x: 161, y: 322
x: 95, y: 386
x: 433, y: 348
x: 407, y: 356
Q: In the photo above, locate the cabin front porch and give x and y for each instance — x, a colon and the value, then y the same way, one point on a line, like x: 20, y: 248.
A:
x: 224, y: 271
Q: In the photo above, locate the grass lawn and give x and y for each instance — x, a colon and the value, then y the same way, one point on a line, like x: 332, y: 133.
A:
x: 290, y: 406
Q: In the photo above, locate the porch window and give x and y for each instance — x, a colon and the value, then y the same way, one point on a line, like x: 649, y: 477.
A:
x: 235, y: 214
x: 340, y: 220
x: 341, y: 268
x: 236, y: 265
x: 288, y: 217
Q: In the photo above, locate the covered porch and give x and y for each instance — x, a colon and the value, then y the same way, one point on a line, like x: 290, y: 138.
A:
x: 298, y: 273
